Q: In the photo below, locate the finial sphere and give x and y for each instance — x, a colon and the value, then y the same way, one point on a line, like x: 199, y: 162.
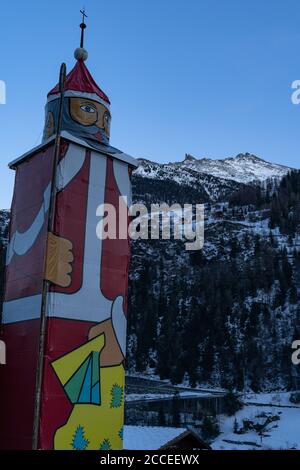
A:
x: 81, y: 53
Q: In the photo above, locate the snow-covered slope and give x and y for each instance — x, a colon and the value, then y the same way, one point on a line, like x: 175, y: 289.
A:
x: 212, y: 187
x: 244, y: 168
x: 281, y: 434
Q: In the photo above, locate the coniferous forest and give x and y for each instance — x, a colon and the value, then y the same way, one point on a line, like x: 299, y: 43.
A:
x: 225, y: 315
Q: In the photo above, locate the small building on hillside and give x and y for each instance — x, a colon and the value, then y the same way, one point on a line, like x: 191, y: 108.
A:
x: 159, y: 437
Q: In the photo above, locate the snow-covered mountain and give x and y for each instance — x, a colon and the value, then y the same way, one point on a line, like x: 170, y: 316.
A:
x: 208, y: 187
x: 244, y: 168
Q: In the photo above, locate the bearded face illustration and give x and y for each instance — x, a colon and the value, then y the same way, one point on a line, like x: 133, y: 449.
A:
x: 85, y: 119
x: 86, y: 110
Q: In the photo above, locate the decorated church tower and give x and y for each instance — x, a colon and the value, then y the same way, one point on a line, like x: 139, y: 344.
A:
x: 65, y: 305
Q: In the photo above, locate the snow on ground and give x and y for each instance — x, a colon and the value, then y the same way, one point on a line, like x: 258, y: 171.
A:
x: 155, y: 380
x: 149, y: 437
x: 164, y: 396
x: 276, y: 398
x: 281, y: 434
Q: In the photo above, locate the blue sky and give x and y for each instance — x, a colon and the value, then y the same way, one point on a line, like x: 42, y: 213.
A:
x: 206, y: 77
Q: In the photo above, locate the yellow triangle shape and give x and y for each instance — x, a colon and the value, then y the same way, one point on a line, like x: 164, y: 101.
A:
x: 67, y: 365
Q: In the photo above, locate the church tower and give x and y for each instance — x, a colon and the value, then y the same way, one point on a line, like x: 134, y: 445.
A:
x: 65, y: 306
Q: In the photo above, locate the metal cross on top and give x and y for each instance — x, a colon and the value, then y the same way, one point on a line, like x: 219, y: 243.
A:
x: 83, y: 14
x: 82, y: 26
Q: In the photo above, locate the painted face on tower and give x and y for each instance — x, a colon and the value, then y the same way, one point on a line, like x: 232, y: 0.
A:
x: 89, y: 113
x: 85, y: 119
x: 86, y: 114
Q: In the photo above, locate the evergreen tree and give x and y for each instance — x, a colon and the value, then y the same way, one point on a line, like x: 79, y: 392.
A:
x: 210, y: 428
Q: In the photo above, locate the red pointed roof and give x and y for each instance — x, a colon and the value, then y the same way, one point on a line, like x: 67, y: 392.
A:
x: 80, y: 80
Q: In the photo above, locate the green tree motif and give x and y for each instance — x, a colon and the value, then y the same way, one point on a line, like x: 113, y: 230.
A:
x: 116, y: 396
x: 121, y: 433
x: 79, y: 441
x: 105, y: 445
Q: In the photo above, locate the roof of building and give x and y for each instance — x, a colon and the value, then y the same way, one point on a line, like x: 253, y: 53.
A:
x: 65, y: 135
x: 155, y: 437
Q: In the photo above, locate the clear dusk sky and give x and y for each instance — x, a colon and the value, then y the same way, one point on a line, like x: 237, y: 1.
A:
x: 206, y: 77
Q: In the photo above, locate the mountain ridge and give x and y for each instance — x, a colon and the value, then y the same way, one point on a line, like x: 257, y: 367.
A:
x: 244, y: 168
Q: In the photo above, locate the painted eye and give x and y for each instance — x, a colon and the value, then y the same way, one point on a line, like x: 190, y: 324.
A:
x: 107, y: 119
x: 87, y: 108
